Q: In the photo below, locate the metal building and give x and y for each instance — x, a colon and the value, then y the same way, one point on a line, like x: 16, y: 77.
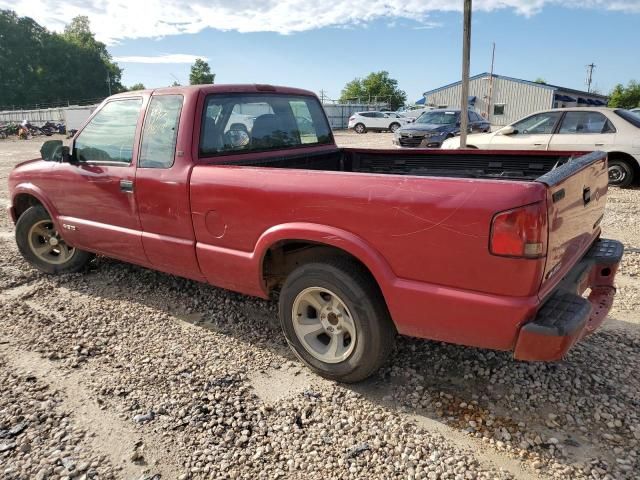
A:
x: 503, y: 100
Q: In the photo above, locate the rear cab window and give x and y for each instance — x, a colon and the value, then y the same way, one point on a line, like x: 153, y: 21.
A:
x: 238, y: 123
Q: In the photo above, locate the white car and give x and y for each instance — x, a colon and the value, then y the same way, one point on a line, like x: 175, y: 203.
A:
x: 414, y: 112
x: 615, y: 131
x: 362, y: 122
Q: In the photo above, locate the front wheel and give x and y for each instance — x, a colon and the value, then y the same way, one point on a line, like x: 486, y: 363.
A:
x: 335, y: 320
x: 42, y: 246
x: 393, y: 127
x: 360, y: 128
x: 620, y: 174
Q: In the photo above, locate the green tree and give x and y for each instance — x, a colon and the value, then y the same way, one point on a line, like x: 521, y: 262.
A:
x: 176, y: 84
x: 42, y: 67
x: 136, y: 86
x: 95, y: 54
x: 540, y: 80
x: 375, y: 87
x: 201, y: 73
x: 625, y: 97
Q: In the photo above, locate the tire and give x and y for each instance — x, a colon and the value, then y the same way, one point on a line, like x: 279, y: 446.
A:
x: 620, y: 173
x: 33, y: 228
x: 360, y: 128
x: 360, y: 306
x: 394, y: 126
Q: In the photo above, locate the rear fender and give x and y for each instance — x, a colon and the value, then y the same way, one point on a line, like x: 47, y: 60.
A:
x: 325, y: 235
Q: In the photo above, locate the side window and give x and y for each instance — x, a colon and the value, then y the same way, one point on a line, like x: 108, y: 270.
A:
x: 304, y: 121
x: 110, y: 135
x: 160, y: 131
x: 498, y: 109
x: 235, y: 123
x: 541, y: 123
x: 585, y: 122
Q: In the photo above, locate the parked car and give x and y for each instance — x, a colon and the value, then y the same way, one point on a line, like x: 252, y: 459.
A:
x: 362, y: 122
x: 635, y: 110
x: 357, y: 245
x: 432, y: 128
x: 414, y: 111
x: 615, y: 131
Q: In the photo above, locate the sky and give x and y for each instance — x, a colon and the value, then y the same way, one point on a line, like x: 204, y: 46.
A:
x: 323, y: 45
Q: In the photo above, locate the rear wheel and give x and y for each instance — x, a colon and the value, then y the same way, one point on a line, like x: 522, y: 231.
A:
x: 42, y: 246
x: 620, y: 173
x: 394, y: 126
x: 334, y: 319
x: 360, y: 128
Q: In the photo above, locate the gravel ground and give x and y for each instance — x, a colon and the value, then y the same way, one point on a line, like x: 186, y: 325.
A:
x: 128, y: 373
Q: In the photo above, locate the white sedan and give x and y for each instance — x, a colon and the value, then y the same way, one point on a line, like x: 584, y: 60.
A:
x: 615, y: 131
x: 361, y: 122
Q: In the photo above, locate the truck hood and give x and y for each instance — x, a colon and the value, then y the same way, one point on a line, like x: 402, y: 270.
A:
x: 27, y: 162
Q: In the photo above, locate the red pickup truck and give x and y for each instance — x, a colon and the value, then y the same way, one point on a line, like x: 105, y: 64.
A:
x: 243, y: 187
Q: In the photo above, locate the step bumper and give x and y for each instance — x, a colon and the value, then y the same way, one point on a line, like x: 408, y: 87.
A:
x: 567, y: 316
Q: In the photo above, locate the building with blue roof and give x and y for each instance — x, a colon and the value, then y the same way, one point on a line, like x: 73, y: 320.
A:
x: 503, y: 100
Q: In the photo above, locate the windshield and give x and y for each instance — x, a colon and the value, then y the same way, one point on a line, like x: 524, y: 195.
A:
x: 438, y: 118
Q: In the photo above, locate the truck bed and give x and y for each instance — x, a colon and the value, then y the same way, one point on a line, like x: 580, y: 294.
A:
x: 505, y: 165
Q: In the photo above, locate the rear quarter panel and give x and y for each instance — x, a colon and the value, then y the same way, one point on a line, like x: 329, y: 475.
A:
x: 433, y: 230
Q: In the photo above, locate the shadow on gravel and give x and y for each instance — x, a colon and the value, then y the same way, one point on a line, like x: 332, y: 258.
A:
x: 583, y: 408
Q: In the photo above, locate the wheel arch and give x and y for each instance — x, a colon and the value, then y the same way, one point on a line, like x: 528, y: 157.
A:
x: 28, y: 195
x: 283, y: 248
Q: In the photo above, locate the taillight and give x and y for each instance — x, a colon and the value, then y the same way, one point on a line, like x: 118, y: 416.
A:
x: 521, y: 232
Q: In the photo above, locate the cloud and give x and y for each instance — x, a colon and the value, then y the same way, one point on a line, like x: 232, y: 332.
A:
x: 168, y: 58
x: 115, y: 20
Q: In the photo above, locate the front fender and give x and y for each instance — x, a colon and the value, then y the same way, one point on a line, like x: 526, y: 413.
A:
x: 27, y: 188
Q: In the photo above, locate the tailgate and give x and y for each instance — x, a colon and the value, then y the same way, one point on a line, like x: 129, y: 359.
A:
x: 576, y: 200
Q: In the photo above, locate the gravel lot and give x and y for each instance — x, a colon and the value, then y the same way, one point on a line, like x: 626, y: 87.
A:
x: 127, y: 373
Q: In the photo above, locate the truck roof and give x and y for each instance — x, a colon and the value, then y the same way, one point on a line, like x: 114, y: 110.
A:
x: 224, y: 88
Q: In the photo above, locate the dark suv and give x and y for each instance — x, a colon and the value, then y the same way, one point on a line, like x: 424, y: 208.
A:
x: 432, y: 128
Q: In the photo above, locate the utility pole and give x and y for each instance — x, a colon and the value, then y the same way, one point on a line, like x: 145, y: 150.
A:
x: 322, y: 97
x: 109, y: 82
x: 590, y: 68
x: 466, y: 56
x: 490, y: 99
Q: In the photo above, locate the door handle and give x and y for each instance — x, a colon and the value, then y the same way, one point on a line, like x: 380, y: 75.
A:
x: 126, y: 186
x: 599, y: 144
x: 537, y: 144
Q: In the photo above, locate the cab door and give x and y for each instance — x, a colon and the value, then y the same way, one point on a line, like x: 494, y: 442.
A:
x: 531, y: 133
x: 95, y: 193
x: 162, y: 185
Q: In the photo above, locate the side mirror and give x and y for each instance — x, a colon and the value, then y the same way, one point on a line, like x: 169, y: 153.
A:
x: 51, y: 151
x: 508, y: 130
x: 66, y: 155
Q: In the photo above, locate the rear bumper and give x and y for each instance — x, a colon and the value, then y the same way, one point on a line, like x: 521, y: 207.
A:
x: 566, y: 316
